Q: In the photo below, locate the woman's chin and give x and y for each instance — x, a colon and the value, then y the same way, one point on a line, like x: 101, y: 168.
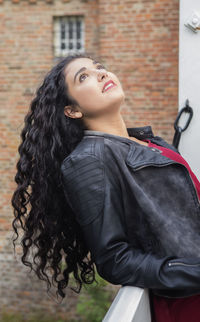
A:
x: 118, y: 98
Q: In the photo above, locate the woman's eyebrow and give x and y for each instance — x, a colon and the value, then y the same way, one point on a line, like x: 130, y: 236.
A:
x: 83, y: 68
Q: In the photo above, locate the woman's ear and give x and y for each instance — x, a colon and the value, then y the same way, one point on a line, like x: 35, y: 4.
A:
x: 71, y: 112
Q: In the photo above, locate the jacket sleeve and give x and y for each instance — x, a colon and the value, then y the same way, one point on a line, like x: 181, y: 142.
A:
x: 95, y: 197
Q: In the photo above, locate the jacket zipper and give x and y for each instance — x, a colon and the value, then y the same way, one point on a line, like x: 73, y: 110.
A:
x: 162, y: 165
x: 180, y: 263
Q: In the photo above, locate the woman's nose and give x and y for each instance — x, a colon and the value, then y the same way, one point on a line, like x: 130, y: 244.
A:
x: 102, y: 74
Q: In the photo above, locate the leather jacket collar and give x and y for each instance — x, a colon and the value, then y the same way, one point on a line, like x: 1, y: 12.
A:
x: 137, y: 157
x: 142, y: 132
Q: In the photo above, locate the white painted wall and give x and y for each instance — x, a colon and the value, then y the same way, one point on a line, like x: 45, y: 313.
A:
x: 189, y: 84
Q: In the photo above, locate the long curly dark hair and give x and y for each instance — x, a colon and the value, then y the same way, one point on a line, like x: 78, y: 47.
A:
x: 52, y: 242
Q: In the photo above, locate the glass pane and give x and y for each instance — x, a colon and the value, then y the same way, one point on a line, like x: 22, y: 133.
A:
x: 78, y: 29
x: 62, y: 45
x: 78, y: 45
x: 62, y: 29
x: 70, y: 45
x: 70, y: 30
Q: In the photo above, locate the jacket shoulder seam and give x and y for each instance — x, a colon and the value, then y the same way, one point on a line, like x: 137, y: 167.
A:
x: 100, y: 191
x: 74, y: 156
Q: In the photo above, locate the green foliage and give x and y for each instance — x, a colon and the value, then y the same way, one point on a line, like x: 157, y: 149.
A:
x: 33, y: 317
x: 94, y: 300
x: 93, y: 303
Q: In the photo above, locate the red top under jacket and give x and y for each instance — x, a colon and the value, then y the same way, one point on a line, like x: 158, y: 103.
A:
x: 179, y: 309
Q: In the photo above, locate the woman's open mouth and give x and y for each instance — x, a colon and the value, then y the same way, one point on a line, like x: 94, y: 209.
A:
x: 108, y: 86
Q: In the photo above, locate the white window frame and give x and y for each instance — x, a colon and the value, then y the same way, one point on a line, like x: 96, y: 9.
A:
x: 58, y: 40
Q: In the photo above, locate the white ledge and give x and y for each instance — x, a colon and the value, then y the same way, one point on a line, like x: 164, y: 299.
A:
x: 131, y: 304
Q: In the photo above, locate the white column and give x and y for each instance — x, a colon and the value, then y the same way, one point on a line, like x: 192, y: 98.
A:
x: 189, y: 84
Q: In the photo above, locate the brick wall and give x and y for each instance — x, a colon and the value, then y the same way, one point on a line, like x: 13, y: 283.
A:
x: 138, y: 40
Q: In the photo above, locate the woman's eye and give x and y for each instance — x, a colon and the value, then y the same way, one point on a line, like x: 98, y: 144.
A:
x: 98, y: 67
x: 80, y: 78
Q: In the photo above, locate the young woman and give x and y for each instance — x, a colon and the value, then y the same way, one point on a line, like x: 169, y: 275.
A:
x: 87, y: 185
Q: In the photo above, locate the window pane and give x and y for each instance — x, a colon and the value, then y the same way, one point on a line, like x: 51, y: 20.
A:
x: 70, y: 30
x: 78, y: 29
x: 62, y: 29
x: 70, y: 45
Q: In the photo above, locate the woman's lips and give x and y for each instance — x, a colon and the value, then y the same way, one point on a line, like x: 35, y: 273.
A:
x: 111, y: 86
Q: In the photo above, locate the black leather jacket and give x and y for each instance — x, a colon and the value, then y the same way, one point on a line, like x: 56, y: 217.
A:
x: 139, y: 211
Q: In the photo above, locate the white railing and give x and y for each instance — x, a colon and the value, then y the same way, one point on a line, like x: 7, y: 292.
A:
x: 131, y: 304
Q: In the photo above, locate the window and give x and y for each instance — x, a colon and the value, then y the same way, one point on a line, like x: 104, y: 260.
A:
x: 68, y: 35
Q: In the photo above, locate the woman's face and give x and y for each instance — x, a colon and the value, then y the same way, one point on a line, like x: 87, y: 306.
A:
x: 85, y: 79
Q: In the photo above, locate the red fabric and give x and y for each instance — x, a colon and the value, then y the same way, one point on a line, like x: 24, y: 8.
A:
x: 175, y: 310
x: 179, y: 309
